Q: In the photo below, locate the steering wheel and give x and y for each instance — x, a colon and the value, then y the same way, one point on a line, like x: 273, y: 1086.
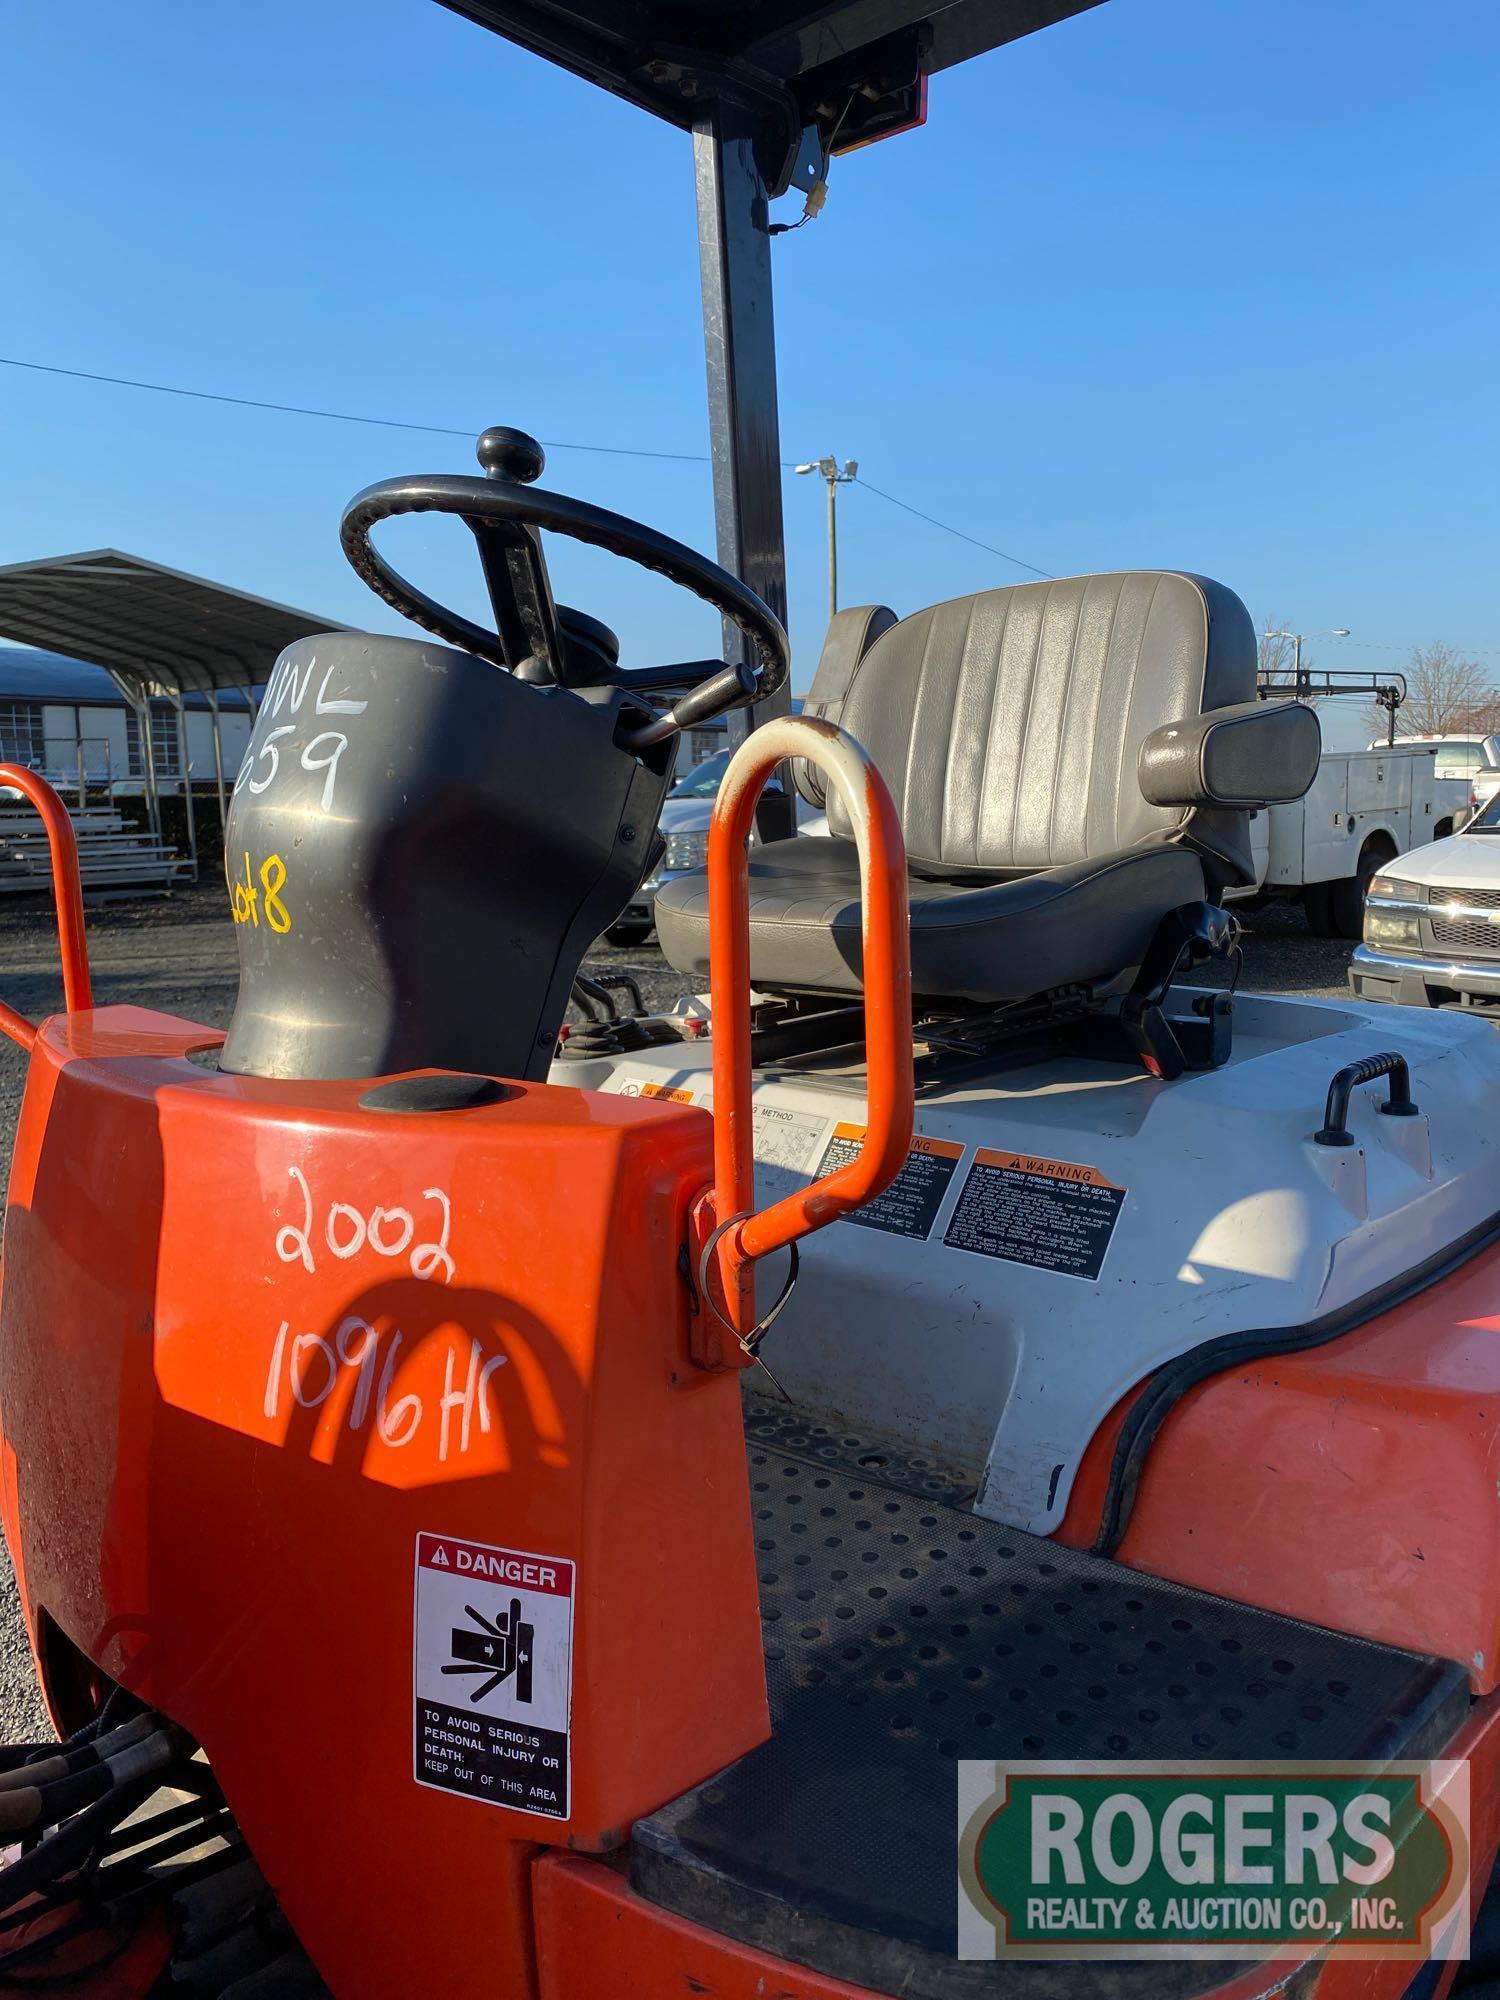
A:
x: 534, y: 637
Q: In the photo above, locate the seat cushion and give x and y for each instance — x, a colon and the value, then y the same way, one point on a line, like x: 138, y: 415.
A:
x: 989, y: 941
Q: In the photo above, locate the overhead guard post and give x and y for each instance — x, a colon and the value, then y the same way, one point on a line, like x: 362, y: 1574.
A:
x: 887, y: 986
x: 739, y: 345
x: 67, y: 894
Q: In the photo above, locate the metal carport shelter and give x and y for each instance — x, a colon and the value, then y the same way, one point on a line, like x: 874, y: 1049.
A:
x: 155, y: 631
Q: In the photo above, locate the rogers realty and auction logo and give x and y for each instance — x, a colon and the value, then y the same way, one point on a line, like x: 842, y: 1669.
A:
x: 1196, y: 1860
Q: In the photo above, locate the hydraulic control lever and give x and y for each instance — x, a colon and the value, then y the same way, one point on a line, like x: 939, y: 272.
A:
x: 729, y: 687
x: 730, y: 1237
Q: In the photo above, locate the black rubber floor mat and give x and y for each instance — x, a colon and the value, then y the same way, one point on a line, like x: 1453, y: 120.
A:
x: 902, y: 1635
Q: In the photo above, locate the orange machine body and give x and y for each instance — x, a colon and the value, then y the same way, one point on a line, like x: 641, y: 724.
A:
x: 256, y: 1341
x: 597, y: 1938
x: 1353, y: 1485
x: 238, y: 1387
x: 270, y: 1351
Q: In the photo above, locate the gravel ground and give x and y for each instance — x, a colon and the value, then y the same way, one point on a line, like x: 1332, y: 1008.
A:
x: 179, y: 955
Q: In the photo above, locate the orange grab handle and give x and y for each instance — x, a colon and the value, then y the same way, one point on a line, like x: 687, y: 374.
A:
x: 67, y: 894
x: 887, y: 982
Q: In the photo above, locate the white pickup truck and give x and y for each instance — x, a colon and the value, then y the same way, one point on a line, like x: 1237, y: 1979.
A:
x: 1432, y: 924
x: 1365, y: 807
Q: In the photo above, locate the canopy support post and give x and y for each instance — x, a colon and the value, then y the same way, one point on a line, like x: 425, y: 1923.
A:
x: 213, y: 713
x: 139, y: 704
x: 185, y: 765
x: 148, y: 759
x: 739, y: 339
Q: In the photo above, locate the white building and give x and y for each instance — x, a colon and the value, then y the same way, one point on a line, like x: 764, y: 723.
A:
x: 70, y: 721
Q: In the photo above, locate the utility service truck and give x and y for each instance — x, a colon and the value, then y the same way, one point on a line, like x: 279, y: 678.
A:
x: 1364, y: 808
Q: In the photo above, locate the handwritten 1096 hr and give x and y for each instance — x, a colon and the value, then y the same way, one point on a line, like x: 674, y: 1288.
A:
x: 308, y: 1367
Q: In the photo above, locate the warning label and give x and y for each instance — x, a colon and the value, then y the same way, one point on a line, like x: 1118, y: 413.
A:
x: 493, y: 1673
x: 909, y: 1206
x: 632, y: 1086
x: 786, y: 1144
x: 1050, y: 1213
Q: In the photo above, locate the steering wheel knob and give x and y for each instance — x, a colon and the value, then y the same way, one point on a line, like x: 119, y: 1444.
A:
x: 510, y: 455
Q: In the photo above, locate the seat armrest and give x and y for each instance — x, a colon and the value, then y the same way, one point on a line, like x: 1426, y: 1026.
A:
x: 1257, y: 753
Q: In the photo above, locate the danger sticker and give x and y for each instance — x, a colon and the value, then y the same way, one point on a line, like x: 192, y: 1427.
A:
x: 909, y: 1206
x: 493, y: 1673
x: 1054, y: 1214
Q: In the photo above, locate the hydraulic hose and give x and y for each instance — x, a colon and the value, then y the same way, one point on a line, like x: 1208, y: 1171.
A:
x: 46, y: 1763
x: 71, y: 1845
x: 26, y: 1806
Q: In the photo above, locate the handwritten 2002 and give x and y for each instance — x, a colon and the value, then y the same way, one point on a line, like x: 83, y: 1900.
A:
x: 310, y: 1366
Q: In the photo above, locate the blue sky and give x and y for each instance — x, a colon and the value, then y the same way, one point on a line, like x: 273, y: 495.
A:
x: 1202, y: 283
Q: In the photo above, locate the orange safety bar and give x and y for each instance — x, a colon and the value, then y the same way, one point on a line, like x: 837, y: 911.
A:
x: 67, y: 894
x: 743, y: 1236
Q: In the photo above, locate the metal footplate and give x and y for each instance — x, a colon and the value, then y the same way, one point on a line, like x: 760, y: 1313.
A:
x: 901, y: 1635
x: 864, y: 1454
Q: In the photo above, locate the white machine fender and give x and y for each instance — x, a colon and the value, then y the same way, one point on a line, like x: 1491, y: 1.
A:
x: 1066, y: 1227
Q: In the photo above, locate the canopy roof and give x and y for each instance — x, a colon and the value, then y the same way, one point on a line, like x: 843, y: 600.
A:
x: 153, y: 626
x: 27, y: 675
x: 857, y: 64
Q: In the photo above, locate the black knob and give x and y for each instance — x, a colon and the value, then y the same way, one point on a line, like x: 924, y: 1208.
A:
x: 508, y: 454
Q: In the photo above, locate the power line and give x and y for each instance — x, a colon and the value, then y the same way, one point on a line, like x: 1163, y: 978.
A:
x: 600, y: 450
x: 947, y: 529
x: 1409, y: 646
x: 451, y: 430
x: 329, y: 416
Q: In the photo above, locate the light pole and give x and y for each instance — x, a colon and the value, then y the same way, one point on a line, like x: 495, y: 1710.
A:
x: 829, y: 467
x: 1333, y: 632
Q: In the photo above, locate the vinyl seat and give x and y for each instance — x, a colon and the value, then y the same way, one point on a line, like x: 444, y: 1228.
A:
x: 992, y: 941
x: 1071, y: 762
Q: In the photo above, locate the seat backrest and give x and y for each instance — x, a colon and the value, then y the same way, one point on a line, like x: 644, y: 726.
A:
x: 851, y: 634
x: 1008, y: 724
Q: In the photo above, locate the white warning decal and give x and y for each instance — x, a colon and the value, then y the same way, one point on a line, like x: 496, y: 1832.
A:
x: 787, y: 1144
x: 493, y: 1673
x: 1055, y: 1214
